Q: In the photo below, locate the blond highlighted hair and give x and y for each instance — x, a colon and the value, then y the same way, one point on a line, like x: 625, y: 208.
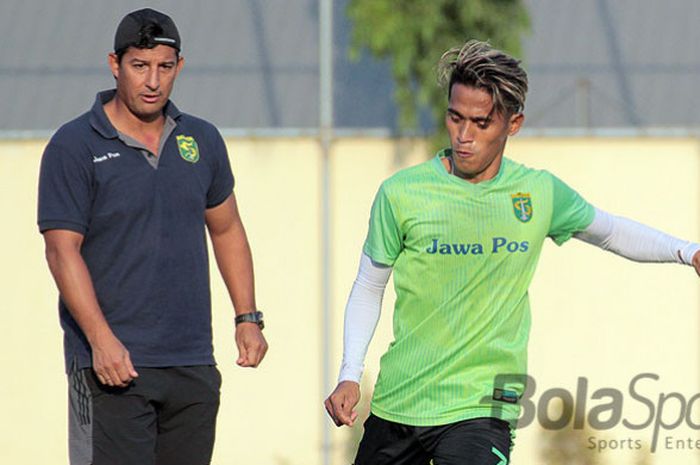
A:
x: 477, y: 64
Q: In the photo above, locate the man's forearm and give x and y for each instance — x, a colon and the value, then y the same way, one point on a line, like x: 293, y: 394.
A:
x: 75, y: 286
x: 235, y: 263
x: 636, y: 241
x: 110, y: 359
x: 361, y: 316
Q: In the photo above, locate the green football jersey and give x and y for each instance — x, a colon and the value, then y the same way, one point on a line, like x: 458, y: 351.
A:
x: 463, y: 256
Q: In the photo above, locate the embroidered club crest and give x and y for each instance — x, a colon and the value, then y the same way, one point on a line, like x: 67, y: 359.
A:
x: 522, y: 206
x: 189, y: 151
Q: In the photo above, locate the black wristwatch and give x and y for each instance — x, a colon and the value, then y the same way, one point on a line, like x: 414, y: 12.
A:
x: 252, y: 317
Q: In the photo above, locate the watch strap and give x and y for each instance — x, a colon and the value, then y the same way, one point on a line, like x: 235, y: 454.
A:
x: 252, y: 317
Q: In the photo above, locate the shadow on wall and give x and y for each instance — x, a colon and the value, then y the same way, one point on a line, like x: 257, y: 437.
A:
x: 569, y: 446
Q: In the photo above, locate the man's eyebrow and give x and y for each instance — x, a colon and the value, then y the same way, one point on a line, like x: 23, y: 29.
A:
x: 455, y: 112
x: 141, y: 60
x: 482, y: 119
x: 485, y: 119
x: 477, y: 119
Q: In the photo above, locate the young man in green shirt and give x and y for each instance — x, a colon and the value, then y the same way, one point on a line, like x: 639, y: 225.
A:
x: 462, y: 234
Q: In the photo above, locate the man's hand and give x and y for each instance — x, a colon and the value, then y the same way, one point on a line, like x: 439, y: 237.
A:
x: 342, y: 401
x: 111, y: 362
x: 251, y: 345
x: 696, y: 262
x: 235, y: 262
x: 110, y: 359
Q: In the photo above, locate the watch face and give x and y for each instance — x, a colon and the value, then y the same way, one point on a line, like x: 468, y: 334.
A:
x: 252, y: 317
x: 259, y: 320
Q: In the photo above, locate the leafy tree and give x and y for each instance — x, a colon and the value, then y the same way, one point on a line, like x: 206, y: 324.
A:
x: 413, y: 35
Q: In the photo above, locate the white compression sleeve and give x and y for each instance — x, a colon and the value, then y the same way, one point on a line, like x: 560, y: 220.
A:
x: 361, y: 316
x: 636, y: 241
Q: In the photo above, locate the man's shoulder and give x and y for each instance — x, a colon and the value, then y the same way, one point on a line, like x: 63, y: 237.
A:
x: 196, y: 124
x: 519, y: 171
x: 410, y: 175
x: 73, y: 138
x: 72, y: 131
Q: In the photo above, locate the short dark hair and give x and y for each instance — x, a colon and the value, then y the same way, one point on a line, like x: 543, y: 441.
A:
x: 477, y: 64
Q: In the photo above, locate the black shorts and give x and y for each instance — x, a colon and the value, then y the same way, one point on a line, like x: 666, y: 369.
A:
x: 166, y: 416
x: 479, y: 441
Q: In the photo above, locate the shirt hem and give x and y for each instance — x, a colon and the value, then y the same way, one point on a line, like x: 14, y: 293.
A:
x: 441, y: 419
x: 377, y: 256
x: 47, y: 225
x: 153, y: 363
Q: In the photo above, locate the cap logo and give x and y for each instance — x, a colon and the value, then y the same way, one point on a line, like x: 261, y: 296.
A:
x: 189, y: 151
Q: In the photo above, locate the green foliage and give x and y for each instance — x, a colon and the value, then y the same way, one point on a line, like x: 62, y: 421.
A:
x: 413, y: 35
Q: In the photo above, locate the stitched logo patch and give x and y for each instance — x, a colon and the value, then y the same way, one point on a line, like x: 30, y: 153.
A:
x: 522, y: 206
x: 189, y: 151
x: 505, y: 395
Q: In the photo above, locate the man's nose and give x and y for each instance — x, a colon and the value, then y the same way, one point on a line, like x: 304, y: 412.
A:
x: 153, y: 79
x: 466, y: 132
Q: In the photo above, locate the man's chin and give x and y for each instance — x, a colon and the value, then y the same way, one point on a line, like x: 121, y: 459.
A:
x: 148, y: 116
x: 466, y: 170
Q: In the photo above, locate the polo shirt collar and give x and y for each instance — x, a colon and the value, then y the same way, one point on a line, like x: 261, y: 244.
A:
x: 100, y: 122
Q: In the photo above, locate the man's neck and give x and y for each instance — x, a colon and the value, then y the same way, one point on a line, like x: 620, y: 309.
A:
x: 492, y: 172
x: 148, y: 132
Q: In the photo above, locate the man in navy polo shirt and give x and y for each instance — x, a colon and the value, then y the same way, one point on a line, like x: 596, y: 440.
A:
x: 126, y: 193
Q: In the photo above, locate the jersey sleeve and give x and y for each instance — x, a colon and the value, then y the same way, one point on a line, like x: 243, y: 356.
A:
x: 571, y: 213
x: 66, y: 190
x: 222, y: 180
x: 384, y: 239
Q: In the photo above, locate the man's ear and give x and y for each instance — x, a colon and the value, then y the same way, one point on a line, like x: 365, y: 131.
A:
x: 515, y: 123
x: 180, y: 64
x: 113, y: 61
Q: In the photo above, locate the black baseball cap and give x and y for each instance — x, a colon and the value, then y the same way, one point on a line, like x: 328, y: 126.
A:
x: 131, y: 28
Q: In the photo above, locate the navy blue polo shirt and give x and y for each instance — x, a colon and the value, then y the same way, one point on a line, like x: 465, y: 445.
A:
x: 144, y: 231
